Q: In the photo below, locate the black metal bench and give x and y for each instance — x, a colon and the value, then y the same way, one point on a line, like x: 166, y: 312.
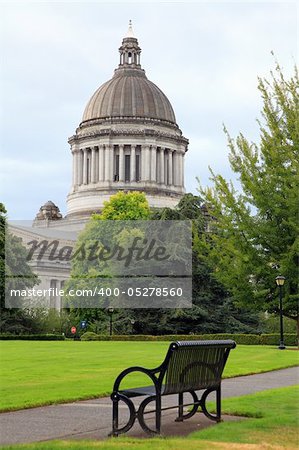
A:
x: 189, y: 366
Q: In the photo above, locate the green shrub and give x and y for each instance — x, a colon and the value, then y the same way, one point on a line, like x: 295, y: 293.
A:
x: 90, y: 336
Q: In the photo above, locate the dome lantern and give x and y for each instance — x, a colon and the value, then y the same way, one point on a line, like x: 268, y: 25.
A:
x: 129, y: 50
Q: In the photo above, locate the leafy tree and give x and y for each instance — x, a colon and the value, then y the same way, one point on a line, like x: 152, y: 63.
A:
x: 125, y: 206
x: 121, y: 206
x: 256, y: 225
x: 13, y: 261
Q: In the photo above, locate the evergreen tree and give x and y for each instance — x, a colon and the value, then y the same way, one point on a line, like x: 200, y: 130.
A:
x: 256, y: 235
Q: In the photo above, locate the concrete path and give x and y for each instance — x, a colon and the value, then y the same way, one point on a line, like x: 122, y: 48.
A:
x: 91, y: 419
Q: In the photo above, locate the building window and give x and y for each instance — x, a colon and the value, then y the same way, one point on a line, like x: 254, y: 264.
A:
x: 127, y: 168
x: 137, y: 167
x: 88, y: 170
x: 116, y: 171
x: 167, y: 170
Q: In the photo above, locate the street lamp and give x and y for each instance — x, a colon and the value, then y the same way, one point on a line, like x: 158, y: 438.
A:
x: 280, y: 282
x: 132, y: 323
x: 110, y: 312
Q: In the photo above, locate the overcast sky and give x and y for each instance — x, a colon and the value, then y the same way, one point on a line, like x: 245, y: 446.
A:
x: 205, y: 57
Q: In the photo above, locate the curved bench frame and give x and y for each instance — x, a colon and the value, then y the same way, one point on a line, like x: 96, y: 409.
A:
x: 156, y: 376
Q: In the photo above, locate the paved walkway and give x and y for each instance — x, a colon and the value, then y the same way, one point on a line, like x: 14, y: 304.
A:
x: 91, y: 419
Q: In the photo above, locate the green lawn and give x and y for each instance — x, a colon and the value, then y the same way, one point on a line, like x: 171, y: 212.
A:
x: 39, y: 373
x: 274, y: 418
x: 272, y: 424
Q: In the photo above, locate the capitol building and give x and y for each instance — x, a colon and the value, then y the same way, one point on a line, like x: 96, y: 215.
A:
x: 128, y: 140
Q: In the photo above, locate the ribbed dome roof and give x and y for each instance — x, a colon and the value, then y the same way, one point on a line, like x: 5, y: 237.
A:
x: 129, y: 93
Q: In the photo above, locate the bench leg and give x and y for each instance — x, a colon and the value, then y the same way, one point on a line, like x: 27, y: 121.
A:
x: 140, y: 414
x: 191, y: 413
x: 202, y: 402
x: 218, y: 404
x: 180, y: 408
x: 158, y: 413
x: 114, y: 418
x: 116, y: 398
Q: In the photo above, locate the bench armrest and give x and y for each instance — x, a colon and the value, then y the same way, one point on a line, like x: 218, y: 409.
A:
x: 149, y: 372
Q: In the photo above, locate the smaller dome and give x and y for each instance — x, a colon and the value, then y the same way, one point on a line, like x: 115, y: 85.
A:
x: 49, y: 203
x: 49, y: 211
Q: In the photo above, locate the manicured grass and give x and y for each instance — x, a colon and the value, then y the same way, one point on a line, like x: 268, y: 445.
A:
x: 131, y: 444
x: 274, y: 418
x: 39, y: 373
x: 273, y: 424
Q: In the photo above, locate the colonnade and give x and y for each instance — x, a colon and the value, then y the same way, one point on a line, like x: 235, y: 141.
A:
x: 127, y: 163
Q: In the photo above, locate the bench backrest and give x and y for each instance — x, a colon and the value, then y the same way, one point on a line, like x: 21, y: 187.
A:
x: 195, y: 365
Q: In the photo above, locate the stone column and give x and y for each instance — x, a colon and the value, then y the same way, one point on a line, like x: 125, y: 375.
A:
x: 183, y: 171
x: 85, y: 166
x: 79, y: 167
x: 180, y: 169
x: 153, y: 163
x: 75, y: 167
x: 162, y: 169
x: 141, y: 163
x: 96, y: 161
x: 121, y: 163
x: 170, y: 170
x: 175, y: 168
x: 93, y: 165
x: 101, y: 163
x: 107, y: 162
x: 146, y: 153
x: 133, y: 163
x: 111, y: 168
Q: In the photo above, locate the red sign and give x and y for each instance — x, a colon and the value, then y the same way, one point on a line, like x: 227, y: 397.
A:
x: 73, y: 330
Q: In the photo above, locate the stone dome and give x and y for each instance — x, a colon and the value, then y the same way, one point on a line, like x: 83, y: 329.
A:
x: 129, y: 94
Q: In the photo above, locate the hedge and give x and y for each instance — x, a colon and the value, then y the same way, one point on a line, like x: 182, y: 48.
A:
x: 246, y: 339
x: 32, y: 337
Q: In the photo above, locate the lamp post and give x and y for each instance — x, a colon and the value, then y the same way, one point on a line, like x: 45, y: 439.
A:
x: 110, y: 312
x: 280, y: 282
x: 132, y: 323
